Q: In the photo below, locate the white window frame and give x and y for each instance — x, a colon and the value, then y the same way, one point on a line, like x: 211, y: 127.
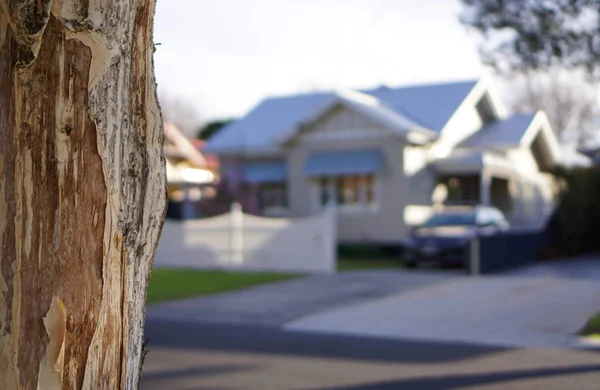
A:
x: 362, y: 207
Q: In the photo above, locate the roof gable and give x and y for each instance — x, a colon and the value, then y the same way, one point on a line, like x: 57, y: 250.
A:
x: 370, y: 108
x: 340, y: 116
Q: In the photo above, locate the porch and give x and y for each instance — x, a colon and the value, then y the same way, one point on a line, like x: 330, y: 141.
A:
x: 475, y: 179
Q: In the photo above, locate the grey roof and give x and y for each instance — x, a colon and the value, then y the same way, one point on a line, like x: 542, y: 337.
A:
x: 431, y: 106
x: 500, y: 134
x: 266, y: 122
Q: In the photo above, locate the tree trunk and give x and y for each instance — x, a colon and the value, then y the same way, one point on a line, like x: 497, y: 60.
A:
x: 82, y: 191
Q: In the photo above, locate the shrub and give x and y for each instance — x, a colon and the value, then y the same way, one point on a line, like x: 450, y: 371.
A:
x: 576, y: 228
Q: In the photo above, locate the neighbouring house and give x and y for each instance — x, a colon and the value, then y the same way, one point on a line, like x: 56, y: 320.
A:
x: 385, y: 156
x: 592, y: 152
x: 212, y: 161
x: 191, y: 176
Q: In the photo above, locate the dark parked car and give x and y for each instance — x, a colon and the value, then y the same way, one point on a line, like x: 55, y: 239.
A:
x: 445, y: 236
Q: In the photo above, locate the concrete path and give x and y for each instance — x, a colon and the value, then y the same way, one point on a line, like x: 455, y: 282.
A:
x: 540, y: 306
x: 278, y: 303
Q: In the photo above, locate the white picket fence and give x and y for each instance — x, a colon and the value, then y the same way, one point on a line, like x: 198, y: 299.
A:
x: 246, y: 242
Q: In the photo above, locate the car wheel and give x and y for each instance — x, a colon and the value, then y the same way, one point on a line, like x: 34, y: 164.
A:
x: 410, y: 264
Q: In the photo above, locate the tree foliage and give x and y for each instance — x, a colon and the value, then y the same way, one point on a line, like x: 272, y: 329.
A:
x: 211, y: 128
x: 537, y: 34
x: 568, y: 100
x: 578, y: 217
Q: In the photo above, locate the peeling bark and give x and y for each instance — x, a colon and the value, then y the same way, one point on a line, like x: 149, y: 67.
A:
x: 82, y: 191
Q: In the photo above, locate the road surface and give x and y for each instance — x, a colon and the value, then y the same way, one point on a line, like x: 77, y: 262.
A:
x: 186, y: 355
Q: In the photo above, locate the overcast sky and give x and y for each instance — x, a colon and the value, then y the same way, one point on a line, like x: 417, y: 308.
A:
x: 224, y: 56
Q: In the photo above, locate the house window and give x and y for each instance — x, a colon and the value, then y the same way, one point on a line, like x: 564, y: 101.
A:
x: 272, y: 196
x: 461, y: 189
x: 349, y: 192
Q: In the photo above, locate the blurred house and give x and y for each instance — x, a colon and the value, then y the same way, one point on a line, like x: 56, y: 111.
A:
x: 593, y: 152
x: 385, y: 156
x: 191, y: 176
x: 574, y: 157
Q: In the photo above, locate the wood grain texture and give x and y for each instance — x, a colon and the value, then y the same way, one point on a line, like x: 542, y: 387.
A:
x: 82, y: 186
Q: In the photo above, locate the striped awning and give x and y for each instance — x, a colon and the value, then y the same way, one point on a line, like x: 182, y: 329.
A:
x: 265, y: 172
x: 346, y: 162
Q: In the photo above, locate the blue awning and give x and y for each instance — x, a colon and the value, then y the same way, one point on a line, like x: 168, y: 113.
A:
x: 346, y: 162
x: 265, y: 172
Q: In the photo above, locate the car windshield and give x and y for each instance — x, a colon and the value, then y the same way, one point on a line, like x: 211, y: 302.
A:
x: 453, y: 219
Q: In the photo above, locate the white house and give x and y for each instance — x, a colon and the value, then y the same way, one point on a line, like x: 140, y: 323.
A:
x: 386, y: 155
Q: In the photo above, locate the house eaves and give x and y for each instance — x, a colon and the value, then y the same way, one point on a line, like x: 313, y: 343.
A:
x: 541, y: 124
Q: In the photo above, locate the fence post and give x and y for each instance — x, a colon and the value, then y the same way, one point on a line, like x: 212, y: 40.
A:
x: 236, y: 235
x: 330, y: 235
x: 474, y: 256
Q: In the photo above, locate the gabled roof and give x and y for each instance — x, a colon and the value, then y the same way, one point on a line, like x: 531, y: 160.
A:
x: 428, y: 106
x: 262, y: 126
x: 500, y: 134
x: 529, y: 130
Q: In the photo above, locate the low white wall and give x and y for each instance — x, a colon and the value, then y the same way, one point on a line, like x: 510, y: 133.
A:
x: 245, y: 242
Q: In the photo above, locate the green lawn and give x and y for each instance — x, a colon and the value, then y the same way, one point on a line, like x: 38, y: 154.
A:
x: 357, y: 264
x: 592, y: 327
x: 168, y: 284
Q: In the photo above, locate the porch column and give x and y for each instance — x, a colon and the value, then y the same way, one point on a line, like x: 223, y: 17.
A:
x: 485, y: 184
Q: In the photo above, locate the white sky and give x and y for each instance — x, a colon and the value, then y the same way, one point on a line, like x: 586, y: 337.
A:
x: 224, y: 56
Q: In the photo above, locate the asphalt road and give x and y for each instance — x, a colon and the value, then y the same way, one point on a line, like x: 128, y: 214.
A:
x: 187, y: 355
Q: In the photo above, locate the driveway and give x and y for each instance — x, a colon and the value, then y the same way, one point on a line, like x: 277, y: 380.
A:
x: 278, y: 303
x: 184, y: 356
x: 538, y: 306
